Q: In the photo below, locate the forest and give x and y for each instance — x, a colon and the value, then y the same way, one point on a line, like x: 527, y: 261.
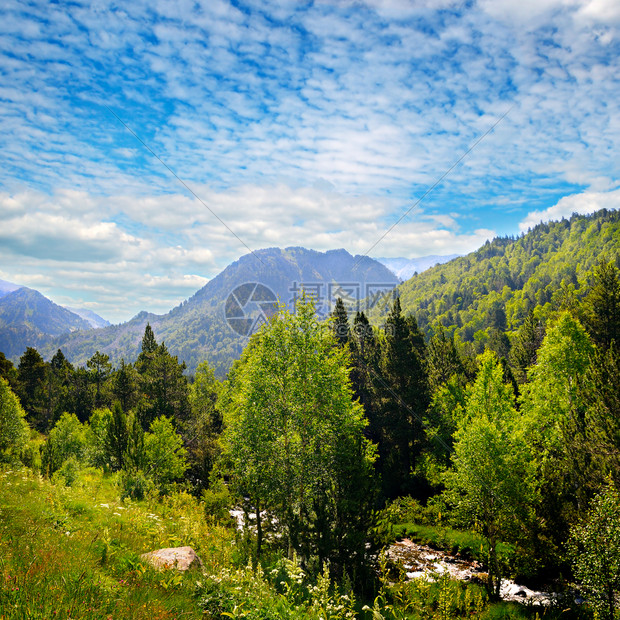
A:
x: 330, y: 439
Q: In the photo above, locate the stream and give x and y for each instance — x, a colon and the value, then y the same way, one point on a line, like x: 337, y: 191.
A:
x: 422, y: 561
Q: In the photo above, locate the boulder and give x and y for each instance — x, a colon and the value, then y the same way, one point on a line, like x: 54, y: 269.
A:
x: 181, y: 558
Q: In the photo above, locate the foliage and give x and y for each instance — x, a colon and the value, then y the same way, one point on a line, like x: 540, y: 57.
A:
x: 203, y: 428
x: 67, y: 439
x: 595, y: 551
x: 165, y: 456
x: 294, y: 438
x: 535, y: 271
x: 489, y: 484
x: 14, y: 431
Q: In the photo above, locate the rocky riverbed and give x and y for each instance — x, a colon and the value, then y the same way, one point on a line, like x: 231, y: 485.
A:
x: 422, y: 561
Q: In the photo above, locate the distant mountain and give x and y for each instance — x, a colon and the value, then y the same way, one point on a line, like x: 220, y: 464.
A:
x: 404, y: 268
x: 27, y: 318
x: 7, y: 287
x: 93, y: 319
x: 213, y: 324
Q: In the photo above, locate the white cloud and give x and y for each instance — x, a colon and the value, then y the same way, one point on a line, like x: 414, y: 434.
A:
x: 583, y: 203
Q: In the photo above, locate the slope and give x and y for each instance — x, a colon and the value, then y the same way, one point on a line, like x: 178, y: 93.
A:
x: 26, y: 316
x: 496, y: 286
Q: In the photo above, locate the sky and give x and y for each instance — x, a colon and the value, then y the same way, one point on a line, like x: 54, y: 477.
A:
x: 145, y: 145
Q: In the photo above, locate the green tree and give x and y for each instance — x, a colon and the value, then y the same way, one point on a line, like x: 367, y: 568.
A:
x: 488, y: 486
x: 14, y: 430
x: 97, y: 438
x: 294, y: 438
x: 100, y: 369
x: 117, y: 437
x: 602, y: 305
x: 31, y: 388
x: 442, y: 360
x: 125, y: 385
x: 554, y: 408
x: 526, y: 345
x: 595, y: 551
x: 602, y: 395
x: 204, y: 427
x: 165, y: 387
x: 68, y: 439
x: 149, y: 349
x: 404, y: 400
x: 59, y: 379
x: 8, y: 371
x: 164, y: 454
x: 340, y: 323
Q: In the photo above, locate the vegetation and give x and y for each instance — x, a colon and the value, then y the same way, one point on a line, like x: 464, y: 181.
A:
x: 327, y: 440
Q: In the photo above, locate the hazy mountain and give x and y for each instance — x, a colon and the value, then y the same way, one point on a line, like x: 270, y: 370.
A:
x: 213, y: 323
x: 27, y: 318
x: 93, y: 319
x: 404, y: 268
x: 7, y: 287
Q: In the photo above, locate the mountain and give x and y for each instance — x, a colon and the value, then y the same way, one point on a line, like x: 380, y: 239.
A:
x: 404, y: 268
x: 27, y: 318
x: 496, y: 286
x: 7, y: 287
x: 94, y: 320
x: 214, y: 323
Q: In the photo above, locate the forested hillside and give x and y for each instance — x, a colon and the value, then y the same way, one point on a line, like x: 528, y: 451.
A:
x: 495, y: 287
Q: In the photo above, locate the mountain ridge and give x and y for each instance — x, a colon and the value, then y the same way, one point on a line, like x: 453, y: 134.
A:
x: 199, y: 328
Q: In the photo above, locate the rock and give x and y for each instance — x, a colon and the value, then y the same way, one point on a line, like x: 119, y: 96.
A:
x: 181, y: 558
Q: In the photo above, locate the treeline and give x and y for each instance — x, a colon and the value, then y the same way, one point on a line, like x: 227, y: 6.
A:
x: 141, y: 418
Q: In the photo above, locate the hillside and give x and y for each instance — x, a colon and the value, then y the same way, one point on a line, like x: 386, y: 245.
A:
x: 28, y: 318
x: 198, y: 329
x: 496, y: 286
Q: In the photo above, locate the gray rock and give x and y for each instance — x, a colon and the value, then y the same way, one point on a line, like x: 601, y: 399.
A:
x: 181, y: 558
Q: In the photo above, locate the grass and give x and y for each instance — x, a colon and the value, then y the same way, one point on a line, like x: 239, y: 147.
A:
x: 75, y: 552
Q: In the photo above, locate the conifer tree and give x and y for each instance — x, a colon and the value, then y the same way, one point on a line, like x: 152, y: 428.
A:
x: 340, y: 323
x: 602, y: 305
x: 405, y: 398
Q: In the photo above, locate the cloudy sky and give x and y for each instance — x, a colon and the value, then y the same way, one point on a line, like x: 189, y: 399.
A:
x: 146, y: 145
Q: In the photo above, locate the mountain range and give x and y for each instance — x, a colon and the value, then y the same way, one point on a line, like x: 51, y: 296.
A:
x: 27, y: 318
x: 214, y: 323
x: 492, y: 288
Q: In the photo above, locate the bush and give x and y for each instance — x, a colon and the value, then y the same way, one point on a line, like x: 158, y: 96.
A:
x: 14, y: 431
x: 217, y: 502
x: 68, y: 474
x: 135, y: 485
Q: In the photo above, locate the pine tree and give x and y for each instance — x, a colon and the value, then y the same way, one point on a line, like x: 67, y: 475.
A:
x: 31, y: 388
x: 602, y: 305
x: 527, y: 342
x: 405, y: 398
x: 340, y: 323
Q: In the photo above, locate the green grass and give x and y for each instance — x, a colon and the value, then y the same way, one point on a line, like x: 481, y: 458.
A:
x: 75, y: 552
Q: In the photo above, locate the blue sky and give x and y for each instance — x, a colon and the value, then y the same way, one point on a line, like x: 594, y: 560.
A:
x: 298, y: 123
